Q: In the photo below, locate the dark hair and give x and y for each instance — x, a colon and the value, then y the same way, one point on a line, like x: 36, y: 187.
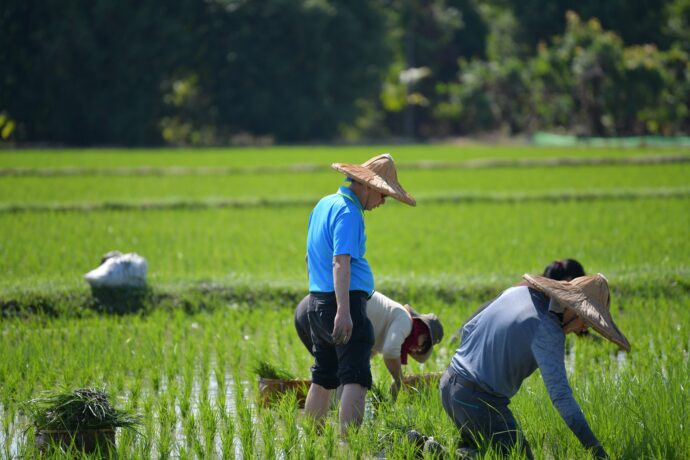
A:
x: 560, y: 270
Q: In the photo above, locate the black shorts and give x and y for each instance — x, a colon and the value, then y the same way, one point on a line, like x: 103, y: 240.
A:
x: 302, y: 324
x: 349, y: 363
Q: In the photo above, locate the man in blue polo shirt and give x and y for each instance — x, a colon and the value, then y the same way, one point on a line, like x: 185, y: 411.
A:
x: 340, y: 282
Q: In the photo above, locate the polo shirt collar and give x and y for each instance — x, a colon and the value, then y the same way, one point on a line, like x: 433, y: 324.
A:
x: 555, y: 307
x: 350, y: 196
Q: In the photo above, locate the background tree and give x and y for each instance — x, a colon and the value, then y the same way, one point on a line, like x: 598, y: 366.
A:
x: 291, y: 69
x: 89, y: 72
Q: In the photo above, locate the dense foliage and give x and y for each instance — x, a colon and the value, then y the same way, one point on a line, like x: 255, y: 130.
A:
x: 586, y: 82
x: 110, y: 72
x: 197, y: 72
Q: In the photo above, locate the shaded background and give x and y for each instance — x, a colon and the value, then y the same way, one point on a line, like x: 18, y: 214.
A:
x: 220, y: 72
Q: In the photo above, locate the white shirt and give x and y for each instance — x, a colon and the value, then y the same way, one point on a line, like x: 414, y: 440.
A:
x: 392, y: 324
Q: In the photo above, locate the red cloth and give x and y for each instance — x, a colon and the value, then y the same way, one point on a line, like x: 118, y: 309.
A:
x: 412, y: 340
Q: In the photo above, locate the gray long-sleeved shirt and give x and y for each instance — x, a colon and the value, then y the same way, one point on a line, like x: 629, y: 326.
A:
x: 506, y: 342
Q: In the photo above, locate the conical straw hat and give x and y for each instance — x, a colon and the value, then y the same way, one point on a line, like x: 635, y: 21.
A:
x: 378, y: 173
x: 588, y: 297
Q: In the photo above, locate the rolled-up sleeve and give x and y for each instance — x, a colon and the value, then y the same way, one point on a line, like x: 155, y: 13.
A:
x: 548, y: 348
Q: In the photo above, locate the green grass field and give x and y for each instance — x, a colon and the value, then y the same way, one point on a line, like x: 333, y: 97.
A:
x: 224, y: 234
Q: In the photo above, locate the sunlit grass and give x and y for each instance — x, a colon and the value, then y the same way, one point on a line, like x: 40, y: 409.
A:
x: 95, y: 189
x: 276, y: 156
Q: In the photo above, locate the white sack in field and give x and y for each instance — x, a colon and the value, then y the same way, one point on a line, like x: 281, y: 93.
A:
x: 119, y: 270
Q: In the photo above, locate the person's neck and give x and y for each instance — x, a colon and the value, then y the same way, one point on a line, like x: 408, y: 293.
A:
x: 568, y: 316
x: 360, y: 191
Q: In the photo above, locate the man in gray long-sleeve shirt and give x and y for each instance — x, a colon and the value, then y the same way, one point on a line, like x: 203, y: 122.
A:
x: 524, y: 328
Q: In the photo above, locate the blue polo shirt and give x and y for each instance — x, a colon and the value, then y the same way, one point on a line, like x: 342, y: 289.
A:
x: 336, y: 227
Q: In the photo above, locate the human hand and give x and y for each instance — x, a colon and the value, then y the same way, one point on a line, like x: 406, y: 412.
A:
x: 342, y: 328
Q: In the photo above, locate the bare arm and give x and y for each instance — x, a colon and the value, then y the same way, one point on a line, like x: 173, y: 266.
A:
x: 395, y: 368
x: 342, y: 325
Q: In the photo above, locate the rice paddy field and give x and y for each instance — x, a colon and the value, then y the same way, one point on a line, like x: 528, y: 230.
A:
x: 224, y: 235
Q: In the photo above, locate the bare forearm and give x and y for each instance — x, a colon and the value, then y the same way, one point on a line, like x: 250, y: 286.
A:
x: 342, y: 324
x: 394, y: 367
x: 341, y: 282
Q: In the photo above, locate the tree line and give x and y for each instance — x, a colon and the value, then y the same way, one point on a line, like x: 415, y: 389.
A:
x: 208, y: 72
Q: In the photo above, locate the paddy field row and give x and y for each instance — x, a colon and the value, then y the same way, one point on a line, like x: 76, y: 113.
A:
x: 290, y: 156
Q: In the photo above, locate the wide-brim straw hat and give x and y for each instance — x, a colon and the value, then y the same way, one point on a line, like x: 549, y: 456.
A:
x: 588, y: 297
x: 378, y: 173
x: 435, y: 331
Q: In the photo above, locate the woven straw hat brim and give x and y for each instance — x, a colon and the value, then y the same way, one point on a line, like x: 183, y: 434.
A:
x: 368, y: 177
x: 594, y: 311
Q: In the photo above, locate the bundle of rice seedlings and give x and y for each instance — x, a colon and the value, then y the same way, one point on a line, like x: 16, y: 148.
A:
x: 275, y: 382
x: 266, y: 370
x: 80, y: 409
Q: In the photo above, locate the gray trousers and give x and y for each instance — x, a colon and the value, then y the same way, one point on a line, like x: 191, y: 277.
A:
x: 481, y: 417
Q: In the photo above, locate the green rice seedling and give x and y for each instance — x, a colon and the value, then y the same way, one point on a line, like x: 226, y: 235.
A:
x: 227, y: 439
x: 357, y: 441
x: 246, y: 430
x: 310, y: 443
x: 204, y: 364
x: 287, y: 410
x: 209, y: 425
x: 187, y: 385
x: 127, y: 442
x: 330, y: 437
x: 395, y: 444
x: 134, y: 394
x: 7, y: 433
x: 268, y: 434
x: 146, y: 441
x: 191, y: 435
x: 220, y: 403
x: 166, y: 427
x: 202, y: 391
x: 378, y: 397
